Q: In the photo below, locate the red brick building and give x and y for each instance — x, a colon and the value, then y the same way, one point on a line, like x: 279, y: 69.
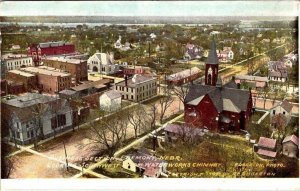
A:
x: 77, y: 68
x: 215, y: 106
x: 49, y: 80
x: 131, y: 70
x: 11, y: 87
x: 29, y: 80
x: 49, y: 48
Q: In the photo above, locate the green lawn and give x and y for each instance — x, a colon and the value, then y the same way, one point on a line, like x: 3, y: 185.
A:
x: 257, y: 115
x: 216, y: 156
x: 260, y: 130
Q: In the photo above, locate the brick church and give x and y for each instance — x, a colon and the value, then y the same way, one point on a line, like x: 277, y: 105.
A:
x: 215, y: 106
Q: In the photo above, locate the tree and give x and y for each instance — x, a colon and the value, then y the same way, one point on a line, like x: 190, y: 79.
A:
x: 181, y: 91
x: 279, y: 123
x: 108, y: 133
x: 164, y: 104
x: 264, y: 94
x: 136, y: 118
x: 38, y: 111
x: 276, y: 53
x: 152, y: 115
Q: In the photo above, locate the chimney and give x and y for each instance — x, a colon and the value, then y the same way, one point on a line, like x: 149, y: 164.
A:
x: 125, y: 80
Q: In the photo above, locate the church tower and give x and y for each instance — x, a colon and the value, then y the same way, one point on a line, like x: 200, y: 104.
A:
x: 212, y: 66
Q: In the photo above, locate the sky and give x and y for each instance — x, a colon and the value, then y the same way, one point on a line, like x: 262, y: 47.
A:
x: 149, y: 8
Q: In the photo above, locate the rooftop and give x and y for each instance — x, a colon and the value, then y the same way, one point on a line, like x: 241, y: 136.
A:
x: 13, y: 56
x: 135, y: 80
x: 112, y: 94
x: 67, y: 92
x: 29, y: 99
x: 26, y: 74
x: 96, y: 84
x: 184, y: 74
x: 285, y: 105
x: 45, y: 70
x: 63, y: 59
x: 223, y: 98
x: 292, y: 138
x: 266, y: 153
x: 267, y: 142
x: 252, y: 78
x: 53, y: 44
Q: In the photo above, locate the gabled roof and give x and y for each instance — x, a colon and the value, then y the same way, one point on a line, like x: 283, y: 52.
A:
x: 103, y: 58
x: 293, y: 138
x: 238, y: 98
x: 212, y: 56
x: 230, y: 84
x: 228, y: 105
x: 267, y: 153
x: 184, y: 74
x: 196, y: 101
x: 112, y: 94
x: 267, y: 142
x: 285, y: 105
x: 28, y: 112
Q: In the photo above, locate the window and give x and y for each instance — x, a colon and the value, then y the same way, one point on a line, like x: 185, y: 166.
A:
x: 132, y: 97
x: 17, y: 134
x: 274, y: 112
x: 28, y: 134
x: 284, y: 113
x: 32, y: 133
x: 58, y: 121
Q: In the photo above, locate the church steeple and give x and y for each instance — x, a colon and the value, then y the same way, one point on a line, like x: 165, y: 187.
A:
x: 212, y: 56
x: 212, y: 65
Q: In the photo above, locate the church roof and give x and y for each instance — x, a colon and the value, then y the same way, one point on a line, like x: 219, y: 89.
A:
x: 212, y: 56
x: 231, y: 84
x: 223, y: 98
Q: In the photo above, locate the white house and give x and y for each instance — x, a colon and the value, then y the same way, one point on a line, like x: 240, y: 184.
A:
x: 110, y: 101
x: 102, y: 63
x: 284, y: 108
x: 16, y: 61
x: 145, y: 164
x: 32, y: 114
x: 277, y: 71
x: 138, y: 88
x: 225, y: 55
x: 290, y: 146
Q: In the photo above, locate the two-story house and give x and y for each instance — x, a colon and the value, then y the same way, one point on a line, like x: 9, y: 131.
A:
x: 138, y: 88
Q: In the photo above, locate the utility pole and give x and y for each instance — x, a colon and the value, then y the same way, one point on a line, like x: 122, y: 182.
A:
x: 66, y: 155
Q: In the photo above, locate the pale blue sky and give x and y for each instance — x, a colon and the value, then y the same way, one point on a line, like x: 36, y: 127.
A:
x: 151, y: 8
